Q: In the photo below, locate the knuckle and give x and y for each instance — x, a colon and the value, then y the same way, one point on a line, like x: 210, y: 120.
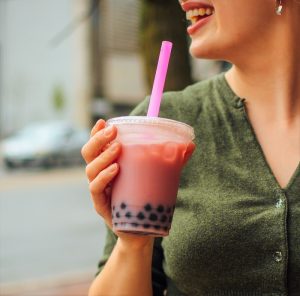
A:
x: 92, y: 132
x: 87, y: 150
x: 105, y: 157
x: 103, y: 177
x: 97, y: 140
x: 100, y: 182
x: 83, y: 150
x: 93, y: 141
x: 88, y: 171
x: 99, y: 136
x: 94, y: 188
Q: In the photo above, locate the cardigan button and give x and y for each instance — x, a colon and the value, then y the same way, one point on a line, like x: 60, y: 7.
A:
x: 279, y: 203
x: 239, y: 103
x: 278, y: 256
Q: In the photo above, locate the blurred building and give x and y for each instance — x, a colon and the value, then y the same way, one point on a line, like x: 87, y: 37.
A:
x: 113, y: 70
x: 45, y: 46
x: 122, y: 64
x: 31, y: 69
x: 85, y: 50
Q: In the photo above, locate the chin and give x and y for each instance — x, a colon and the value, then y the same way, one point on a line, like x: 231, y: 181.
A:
x: 211, y: 50
x: 201, y: 52
x: 202, y: 49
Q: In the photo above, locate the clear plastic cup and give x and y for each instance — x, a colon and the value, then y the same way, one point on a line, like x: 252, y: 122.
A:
x: 145, y: 190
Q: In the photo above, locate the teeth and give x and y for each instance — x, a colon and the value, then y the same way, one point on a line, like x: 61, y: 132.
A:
x: 208, y: 11
x: 189, y: 14
x: 194, y: 13
x: 193, y: 20
x: 202, y: 11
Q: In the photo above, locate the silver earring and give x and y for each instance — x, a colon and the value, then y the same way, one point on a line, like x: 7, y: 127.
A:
x: 279, y: 7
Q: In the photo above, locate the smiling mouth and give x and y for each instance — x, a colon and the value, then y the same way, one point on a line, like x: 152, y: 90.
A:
x: 194, y: 15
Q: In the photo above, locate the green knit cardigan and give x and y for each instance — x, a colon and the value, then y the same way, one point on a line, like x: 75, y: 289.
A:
x: 235, y: 231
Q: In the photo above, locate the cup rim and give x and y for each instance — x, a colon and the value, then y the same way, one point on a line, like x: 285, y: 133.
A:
x: 158, y: 121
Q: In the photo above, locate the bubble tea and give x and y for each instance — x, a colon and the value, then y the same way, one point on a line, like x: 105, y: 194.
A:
x: 145, y: 190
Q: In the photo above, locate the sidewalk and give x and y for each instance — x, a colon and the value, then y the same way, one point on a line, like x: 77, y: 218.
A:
x: 75, y: 286
x: 50, y: 236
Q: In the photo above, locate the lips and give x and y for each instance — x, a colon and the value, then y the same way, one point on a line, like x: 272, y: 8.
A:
x: 198, y: 12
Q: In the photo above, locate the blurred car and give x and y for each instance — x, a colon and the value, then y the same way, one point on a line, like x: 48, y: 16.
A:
x: 44, y: 144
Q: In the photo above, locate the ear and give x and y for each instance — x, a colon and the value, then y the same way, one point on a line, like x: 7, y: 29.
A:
x: 189, y: 151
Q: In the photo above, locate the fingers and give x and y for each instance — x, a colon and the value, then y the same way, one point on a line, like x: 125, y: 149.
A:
x: 100, y: 154
x: 100, y: 124
x: 103, y: 161
x: 97, y: 142
x: 97, y: 187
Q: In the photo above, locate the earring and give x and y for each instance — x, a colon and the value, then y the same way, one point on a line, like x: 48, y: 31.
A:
x: 279, y: 7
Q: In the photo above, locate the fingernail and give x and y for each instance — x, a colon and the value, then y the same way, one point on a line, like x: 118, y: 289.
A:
x: 108, y: 131
x: 98, y: 122
x: 113, y: 168
x: 114, y: 148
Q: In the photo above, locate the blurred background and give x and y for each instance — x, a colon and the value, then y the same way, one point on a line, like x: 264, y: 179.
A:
x: 63, y: 65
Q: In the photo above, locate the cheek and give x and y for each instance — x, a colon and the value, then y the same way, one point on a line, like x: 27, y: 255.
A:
x: 244, y: 19
x: 213, y: 41
x: 231, y: 32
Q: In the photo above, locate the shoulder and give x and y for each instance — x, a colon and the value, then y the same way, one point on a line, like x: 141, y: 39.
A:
x: 186, y: 104
x: 194, y: 94
x: 190, y: 103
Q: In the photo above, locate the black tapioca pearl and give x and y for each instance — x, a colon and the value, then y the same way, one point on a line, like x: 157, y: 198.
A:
x: 118, y: 215
x: 166, y: 228
x: 128, y: 215
x: 169, y: 210
x: 157, y: 227
x: 163, y: 218
x: 134, y: 224
x: 146, y: 225
x: 153, y: 217
x: 160, y: 208
x: 116, y: 224
x: 123, y: 206
x: 141, y: 216
x: 148, y: 207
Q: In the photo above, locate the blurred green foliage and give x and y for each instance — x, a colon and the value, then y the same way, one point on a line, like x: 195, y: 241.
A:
x: 58, y: 98
x: 165, y: 20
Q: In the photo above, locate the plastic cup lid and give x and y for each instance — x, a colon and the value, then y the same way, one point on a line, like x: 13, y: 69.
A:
x: 176, y: 126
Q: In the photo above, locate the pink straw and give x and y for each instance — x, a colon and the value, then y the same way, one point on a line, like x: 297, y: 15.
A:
x: 160, y: 78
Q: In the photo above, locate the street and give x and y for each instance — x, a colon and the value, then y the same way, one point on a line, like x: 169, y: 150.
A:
x: 48, y: 227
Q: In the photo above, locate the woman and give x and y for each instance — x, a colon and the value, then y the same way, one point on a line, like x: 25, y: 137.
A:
x: 236, y: 227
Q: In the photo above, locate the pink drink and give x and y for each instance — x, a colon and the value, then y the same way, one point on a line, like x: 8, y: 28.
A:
x: 145, y: 190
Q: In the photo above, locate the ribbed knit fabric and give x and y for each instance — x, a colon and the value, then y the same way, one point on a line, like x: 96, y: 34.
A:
x: 235, y: 232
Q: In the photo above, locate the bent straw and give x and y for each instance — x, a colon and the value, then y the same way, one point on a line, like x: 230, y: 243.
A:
x: 159, y: 80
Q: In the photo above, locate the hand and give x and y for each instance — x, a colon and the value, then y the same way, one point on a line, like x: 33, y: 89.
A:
x: 100, y: 155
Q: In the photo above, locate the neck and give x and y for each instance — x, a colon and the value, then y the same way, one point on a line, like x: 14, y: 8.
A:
x: 268, y: 76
